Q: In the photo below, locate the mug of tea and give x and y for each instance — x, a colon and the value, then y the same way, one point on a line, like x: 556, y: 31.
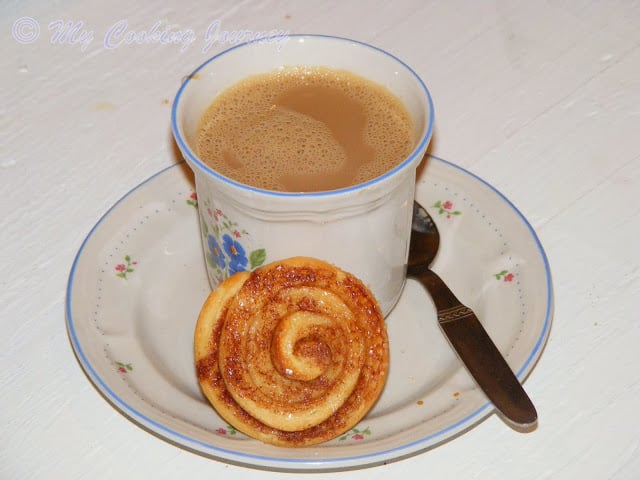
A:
x: 307, y: 147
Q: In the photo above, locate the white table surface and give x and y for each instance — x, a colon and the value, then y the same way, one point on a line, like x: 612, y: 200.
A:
x: 541, y: 99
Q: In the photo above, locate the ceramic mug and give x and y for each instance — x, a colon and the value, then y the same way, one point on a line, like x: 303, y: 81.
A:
x: 363, y: 229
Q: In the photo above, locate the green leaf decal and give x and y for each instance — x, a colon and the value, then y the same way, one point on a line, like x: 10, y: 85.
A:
x: 257, y: 258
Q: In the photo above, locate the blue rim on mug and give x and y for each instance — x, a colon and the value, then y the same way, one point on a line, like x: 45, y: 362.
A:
x: 193, y: 158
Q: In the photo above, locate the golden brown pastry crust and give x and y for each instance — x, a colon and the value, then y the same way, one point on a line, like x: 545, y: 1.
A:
x: 294, y: 353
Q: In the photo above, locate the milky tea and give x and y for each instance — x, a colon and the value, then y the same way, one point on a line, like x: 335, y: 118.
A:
x: 305, y: 129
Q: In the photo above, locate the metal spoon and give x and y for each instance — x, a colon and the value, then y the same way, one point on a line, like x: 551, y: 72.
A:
x: 465, y: 332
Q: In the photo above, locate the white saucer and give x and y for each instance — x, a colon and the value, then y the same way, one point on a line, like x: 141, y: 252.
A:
x: 138, y: 282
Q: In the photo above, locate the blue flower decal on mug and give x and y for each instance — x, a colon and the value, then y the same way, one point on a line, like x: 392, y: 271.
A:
x: 235, y: 251
x: 217, y: 255
x: 226, y: 242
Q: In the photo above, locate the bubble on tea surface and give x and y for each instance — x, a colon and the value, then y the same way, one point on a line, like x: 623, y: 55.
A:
x: 304, y: 129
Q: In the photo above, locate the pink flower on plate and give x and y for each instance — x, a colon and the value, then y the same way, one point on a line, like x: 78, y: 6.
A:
x: 226, y: 431
x: 505, y: 276
x: 125, y: 268
x: 355, y: 434
x: 446, y: 208
x: 124, y: 367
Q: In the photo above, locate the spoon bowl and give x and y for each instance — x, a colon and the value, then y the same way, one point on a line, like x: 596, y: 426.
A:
x: 425, y: 240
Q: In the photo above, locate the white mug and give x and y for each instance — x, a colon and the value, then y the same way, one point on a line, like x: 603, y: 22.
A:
x: 363, y: 229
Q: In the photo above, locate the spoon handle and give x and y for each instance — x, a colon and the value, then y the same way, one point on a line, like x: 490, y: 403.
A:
x: 479, y: 354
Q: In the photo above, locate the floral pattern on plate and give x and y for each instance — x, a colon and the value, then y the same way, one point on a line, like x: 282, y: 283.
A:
x: 134, y: 338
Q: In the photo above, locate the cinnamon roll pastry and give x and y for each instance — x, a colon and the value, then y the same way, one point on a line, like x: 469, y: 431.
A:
x: 294, y: 353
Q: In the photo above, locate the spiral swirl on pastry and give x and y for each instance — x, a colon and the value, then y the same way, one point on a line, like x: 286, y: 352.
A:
x: 294, y: 353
